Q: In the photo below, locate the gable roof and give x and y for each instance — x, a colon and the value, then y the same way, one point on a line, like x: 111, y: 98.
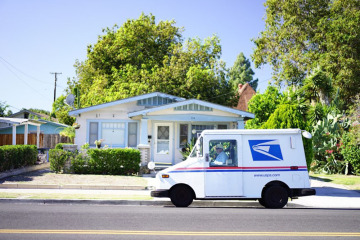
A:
x: 245, y: 115
x: 125, y: 100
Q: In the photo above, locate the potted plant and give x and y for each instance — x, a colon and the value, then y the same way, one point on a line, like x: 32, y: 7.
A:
x: 98, y: 143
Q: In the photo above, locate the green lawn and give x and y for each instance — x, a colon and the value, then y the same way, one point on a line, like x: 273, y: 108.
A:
x: 350, y: 181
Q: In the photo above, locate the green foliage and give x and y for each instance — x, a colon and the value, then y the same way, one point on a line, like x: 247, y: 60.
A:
x: 143, y: 56
x: 327, y: 135
x: 61, y: 111
x: 68, y: 132
x: 112, y: 161
x: 187, y: 149
x: 12, y: 157
x: 350, y: 149
x: 263, y: 105
x: 58, y: 159
x: 241, y: 72
x: 300, y: 35
x: 60, y: 145
x: 3, y: 107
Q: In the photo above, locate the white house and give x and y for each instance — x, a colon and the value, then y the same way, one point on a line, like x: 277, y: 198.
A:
x: 158, y: 124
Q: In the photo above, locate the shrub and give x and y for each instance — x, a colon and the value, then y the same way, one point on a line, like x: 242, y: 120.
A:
x: 114, y: 161
x: 80, y: 164
x: 58, y: 158
x: 60, y: 145
x: 16, y: 156
x: 351, y: 151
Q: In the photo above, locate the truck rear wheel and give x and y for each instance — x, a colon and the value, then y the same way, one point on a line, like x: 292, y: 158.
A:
x: 275, y: 197
x: 181, y: 196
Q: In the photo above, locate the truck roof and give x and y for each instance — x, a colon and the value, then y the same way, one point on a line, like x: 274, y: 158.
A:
x: 251, y: 131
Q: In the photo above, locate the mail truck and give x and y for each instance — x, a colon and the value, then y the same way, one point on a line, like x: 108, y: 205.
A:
x: 267, y: 165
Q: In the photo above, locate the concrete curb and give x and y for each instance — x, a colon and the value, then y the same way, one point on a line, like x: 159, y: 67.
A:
x: 164, y: 203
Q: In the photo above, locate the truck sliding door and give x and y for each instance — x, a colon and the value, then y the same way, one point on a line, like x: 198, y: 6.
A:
x: 223, y: 174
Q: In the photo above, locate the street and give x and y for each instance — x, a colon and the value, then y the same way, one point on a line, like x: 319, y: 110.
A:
x: 33, y: 221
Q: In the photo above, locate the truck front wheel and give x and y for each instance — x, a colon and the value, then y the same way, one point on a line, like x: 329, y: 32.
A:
x: 181, y: 196
x: 275, y: 197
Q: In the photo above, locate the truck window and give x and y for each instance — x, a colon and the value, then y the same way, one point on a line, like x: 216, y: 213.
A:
x: 223, y: 153
x: 199, y: 148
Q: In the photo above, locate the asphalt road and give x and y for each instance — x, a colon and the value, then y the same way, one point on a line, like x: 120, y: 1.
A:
x: 31, y: 221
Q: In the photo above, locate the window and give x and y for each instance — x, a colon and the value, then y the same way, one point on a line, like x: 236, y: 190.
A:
x: 184, y: 132
x: 222, y: 126
x: 199, y: 128
x: 132, y: 134
x: 223, y: 153
x: 93, y: 133
x: 113, y: 133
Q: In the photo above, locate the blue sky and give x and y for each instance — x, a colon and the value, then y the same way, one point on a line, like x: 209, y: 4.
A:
x: 43, y: 36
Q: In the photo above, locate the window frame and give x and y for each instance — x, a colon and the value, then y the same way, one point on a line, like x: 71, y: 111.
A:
x: 126, y: 132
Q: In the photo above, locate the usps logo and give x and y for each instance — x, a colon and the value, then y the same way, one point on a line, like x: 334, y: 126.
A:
x: 265, y: 150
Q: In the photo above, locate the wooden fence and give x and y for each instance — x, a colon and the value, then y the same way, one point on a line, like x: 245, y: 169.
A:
x: 46, y: 140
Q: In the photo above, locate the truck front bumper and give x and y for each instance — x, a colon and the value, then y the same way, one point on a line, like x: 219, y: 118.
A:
x: 160, y: 193
x: 299, y: 192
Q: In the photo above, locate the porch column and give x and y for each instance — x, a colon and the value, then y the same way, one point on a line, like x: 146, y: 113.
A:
x: 26, y: 131
x: 144, y: 132
x: 14, y: 134
x: 241, y: 124
x: 38, y: 136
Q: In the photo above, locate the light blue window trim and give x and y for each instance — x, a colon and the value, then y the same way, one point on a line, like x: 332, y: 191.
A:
x: 193, y: 107
x: 154, y: 101
x: 126, y: 131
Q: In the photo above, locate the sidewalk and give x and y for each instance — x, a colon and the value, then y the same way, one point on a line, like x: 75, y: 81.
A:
x: 328, y: 195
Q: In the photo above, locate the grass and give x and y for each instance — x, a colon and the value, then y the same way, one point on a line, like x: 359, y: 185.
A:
x: 351, y: 182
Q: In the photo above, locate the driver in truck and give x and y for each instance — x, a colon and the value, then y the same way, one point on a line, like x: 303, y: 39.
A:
x: 221, y: 155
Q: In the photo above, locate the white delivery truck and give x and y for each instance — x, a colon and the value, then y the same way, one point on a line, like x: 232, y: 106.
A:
x: 264, y: 164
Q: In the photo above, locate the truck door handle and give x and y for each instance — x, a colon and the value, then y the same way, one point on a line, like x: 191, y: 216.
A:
x: 206, y: 157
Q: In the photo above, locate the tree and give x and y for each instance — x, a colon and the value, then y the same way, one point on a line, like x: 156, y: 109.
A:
x: 3, y: 107
x: 61, y: 111
x: 301, y: 35
x: 263, y: 105
x: 143, y: 56
x: 241, y: 72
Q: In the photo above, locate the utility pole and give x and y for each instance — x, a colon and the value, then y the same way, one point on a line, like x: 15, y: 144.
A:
x: 56, y: 73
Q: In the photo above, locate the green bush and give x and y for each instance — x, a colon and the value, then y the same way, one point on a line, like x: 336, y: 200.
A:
x: 58, y: 158
x: 113, y: 161
x: 16, y: 156
x: 60, y: 145
x: 351, y: 152
x: 80, y: 164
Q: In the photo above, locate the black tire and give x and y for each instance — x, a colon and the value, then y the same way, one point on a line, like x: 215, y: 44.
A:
x: 181, y: 196
x: 261, y: 201
x: 275, y: 197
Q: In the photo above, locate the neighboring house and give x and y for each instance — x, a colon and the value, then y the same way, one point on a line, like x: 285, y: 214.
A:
x: 245, y: 92
x: 49, y: 130
x: 158, y: 124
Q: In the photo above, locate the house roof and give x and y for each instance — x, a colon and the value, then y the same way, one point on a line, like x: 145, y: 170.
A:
x: 39, y: 115
x: 20, y: 121
x: 125, y: 100
x: 245, y: 115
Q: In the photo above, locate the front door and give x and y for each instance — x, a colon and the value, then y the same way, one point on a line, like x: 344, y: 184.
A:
x: 163, y: 149
x: 223, y: 177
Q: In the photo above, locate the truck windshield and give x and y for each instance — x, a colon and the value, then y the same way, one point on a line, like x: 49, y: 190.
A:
x: 198, y: 148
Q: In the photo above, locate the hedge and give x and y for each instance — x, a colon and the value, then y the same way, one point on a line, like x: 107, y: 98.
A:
x: 16, y: 156
x: 97, y: 161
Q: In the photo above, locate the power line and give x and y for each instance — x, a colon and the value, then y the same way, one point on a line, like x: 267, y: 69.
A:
x: 23, y: 80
